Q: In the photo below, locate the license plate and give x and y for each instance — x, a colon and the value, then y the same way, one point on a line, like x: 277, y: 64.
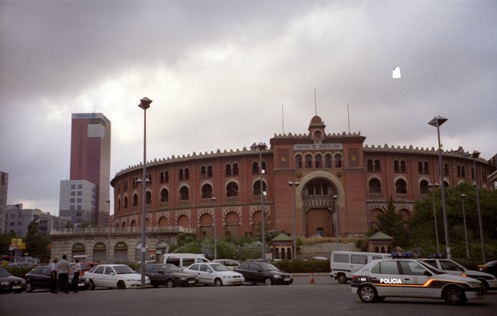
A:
x: 15, y: 287
x: 81, y: 284
x: 287, y: 279
x: 191, y: 281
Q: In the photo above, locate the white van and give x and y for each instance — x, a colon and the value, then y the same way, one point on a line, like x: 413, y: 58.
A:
x: 344, y: 263
x: 184, y: 260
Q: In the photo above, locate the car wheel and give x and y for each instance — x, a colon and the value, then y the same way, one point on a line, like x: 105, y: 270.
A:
x: 169, y: 283
x: 453, y: 295
x: 121, y: 285
x: 92, y: 285
x: 218, y: 282
x: 29, y: 288
x: 342, y: 279
x: 268, y: 281
x: 367, y: 293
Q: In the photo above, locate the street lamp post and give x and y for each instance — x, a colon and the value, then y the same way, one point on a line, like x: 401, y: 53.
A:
x: 335, y: 197
x: 476, y: 155
x: 293, y: 186
x: 465, y: 229
x: 434, y: 186
x: 144, y: 104
x: 261, y: 146
x: 214, y: 227
x: 436, y: 122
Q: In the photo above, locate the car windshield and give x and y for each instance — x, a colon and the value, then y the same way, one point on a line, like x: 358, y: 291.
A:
x: 430, y: 267
x: 123, y: 269
x: 170, y: 268
x: 4, y: 273
x: 268, y: 267
x: 219, y: 267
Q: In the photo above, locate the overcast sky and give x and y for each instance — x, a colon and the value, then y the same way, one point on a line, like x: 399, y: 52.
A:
x: 226, y: 74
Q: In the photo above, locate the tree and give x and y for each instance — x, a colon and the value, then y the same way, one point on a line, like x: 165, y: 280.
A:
x: 37, y: 243
x: 392, y: 223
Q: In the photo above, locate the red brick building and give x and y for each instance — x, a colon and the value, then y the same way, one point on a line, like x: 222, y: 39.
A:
x: 336, y: 174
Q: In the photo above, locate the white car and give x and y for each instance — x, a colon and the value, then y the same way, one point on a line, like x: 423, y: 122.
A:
x: 118, y: 276
x: 216, y: 274
x: 450, y: 266
x: 412, y: 278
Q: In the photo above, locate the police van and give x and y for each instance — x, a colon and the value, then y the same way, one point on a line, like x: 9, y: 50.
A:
x: 184, y: 260
x: 344, y: 263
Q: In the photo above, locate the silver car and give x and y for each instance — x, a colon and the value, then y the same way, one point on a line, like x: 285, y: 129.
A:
x: 412, y: 278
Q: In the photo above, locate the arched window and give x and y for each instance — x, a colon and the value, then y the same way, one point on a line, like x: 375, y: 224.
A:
x: 135, y: 199
x: 206, y: 191
x: 181, y: 175
x: 209, y: 171
x: 164, y: 195
x: 377, y: 166
x: 424, y: 187
x: 148, y: 200
x: 232, y: 189
x: 396, y: 166
x: 446, y: 170
x: 298, y: 161
x: 203, y: 172
x: 318, y: 160
x: 338, y: 161
x: 403, y: 167
x: 235, y: 169
x: 257, y: 187
x: 184, y: 193
x: 328, y: 160
x: 228, y: 170
x: 255, y: 167
x: 370, y: 165
x: 420, y: 167
x: 400, y: 186
x: 308, y: 161
x: 125, y: 202
x: 374, y: 186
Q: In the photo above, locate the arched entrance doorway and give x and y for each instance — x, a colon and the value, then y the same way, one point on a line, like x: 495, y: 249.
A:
x: 319, y: 196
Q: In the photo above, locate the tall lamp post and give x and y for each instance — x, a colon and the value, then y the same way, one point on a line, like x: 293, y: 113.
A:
x: 335, y: 197
x: 261, y: 146
x: 214, y: 227
x: 144, y: 104
x: 293, y: 186
x: 436, y: 122
x: 465, y: 229
x: 434, y: 186
x: 476, y: 155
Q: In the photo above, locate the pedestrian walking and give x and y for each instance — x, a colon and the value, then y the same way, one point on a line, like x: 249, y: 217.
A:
x: 76, y: 271
x: 64, y: 274
x: 54, y: 271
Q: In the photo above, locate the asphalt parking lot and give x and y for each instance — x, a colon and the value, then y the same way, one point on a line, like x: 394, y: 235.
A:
x: 323, y: 296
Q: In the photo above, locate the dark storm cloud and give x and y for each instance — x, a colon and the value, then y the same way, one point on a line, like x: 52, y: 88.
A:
x: 220, y: 71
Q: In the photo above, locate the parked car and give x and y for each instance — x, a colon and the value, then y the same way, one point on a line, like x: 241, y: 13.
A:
x: 211, y: 273
x: 40, y: 278
x: 452, y: 267
x: 229, y: 263
x: 10, y: 283
x: 118, y: 276
x: 412, y: 278
x: 263, y: 272
x: 489, y: 267
x: 168, y: 275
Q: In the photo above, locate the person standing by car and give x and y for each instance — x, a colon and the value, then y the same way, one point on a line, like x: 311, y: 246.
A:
x: 75, y: 270
x: 64, y: 274
x: 54, y: 271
